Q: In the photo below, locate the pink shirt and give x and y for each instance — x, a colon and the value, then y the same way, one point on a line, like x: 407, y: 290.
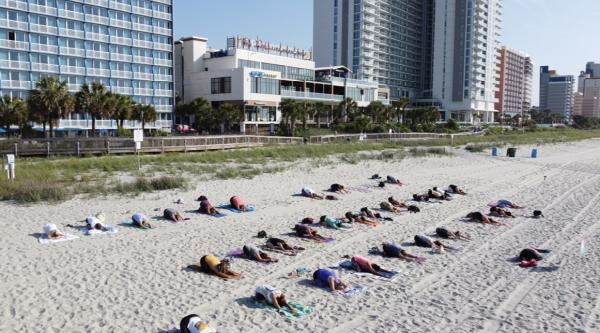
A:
x: 361, y: 261
x: 237, y: 202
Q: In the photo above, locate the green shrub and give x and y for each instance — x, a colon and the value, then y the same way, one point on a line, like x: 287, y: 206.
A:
x: 29, y: 191
x: 124, y: 133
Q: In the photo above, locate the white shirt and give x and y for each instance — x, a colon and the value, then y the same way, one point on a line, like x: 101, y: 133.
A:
x: 308, y: 190
x: 48, y: 228
x: 267, y: 292
x: 93, y: 221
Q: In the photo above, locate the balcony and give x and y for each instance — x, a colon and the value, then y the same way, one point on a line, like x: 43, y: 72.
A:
x: 143, y: 76
x: 163, y: 92
x: 120, y: 23
x: 97, y: 54
x: 63, y: 32
x: 310, y: 95
x: 120, y: 6
x: 96, y: 19
x: 162, y: 31
x: 159, y: 77
x: 120, y: 40
x: 99, y: 3
x: 142, y: 60
x: 163, y: 62
x: 72, y: 70
x: 122, y: 90
x: 44, y: 29
x: 37, y: 67
x: 163, y: 47
x: 142, y: 43
x: 70, y: 15
x: 13, y: 64
x: 42, y: 10
x: 141, y: 11
x: 143, y: 91
x: 121, y: 57
x: 121, y: 74
x: 163, y: 16
x: 12, y: 4
x: 6, y: 84
x: 14, y: 45
x: 71, y: 51
x: 44, y: 48
x: 98, y: 72
x: 4, y: 23
x: 164, y: 108
x: 141, y: 27
x: 97, y: 37
x: 166, y: 2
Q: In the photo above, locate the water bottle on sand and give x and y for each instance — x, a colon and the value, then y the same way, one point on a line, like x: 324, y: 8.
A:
x: 582, y: 248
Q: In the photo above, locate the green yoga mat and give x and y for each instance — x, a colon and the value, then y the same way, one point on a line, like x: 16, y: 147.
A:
x: 301, y: 309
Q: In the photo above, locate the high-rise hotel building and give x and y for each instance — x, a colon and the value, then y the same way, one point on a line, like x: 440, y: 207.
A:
x: 127, y: 45
x: 436, y: 52
x: 465, y: 61
x: 515, y: 77
x: 387, y: 41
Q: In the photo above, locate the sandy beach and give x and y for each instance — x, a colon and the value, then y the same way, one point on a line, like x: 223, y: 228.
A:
x: 137, y: 281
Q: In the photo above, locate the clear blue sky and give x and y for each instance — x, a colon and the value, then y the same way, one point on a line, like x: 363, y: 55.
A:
x: 558, y: 33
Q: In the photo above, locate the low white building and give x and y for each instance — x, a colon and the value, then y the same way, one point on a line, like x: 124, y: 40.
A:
x: 257, y: 76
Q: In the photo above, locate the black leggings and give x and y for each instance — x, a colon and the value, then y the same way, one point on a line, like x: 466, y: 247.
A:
x: 204, y: 266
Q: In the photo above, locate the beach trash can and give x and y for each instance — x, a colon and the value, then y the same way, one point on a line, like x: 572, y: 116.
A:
x: 511, y: 152
x: 534, y: 153
x: 494, y: 151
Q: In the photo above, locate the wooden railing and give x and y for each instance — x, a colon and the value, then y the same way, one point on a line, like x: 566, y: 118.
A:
x: 99, y: 146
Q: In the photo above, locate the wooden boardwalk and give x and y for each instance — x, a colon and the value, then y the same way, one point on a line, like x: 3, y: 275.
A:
x: 152, y: 145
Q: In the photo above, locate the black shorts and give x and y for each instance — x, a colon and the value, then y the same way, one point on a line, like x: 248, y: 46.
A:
x: 204, y: 266
x: 275, y: 241
x: 423, y: 241
x: 442, y: 232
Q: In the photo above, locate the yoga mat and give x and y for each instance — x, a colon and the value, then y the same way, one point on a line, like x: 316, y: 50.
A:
x: 347, y: 264
x: 44, y: 239
x: 354, y: 291
x: 301, y: 309
x: 231, y: 209
x: 131, y: 224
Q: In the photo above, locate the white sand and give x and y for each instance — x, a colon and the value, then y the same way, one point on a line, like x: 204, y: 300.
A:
x: 135, y: 281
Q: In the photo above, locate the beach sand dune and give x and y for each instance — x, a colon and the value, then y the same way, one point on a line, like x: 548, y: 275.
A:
x: 137, y: 281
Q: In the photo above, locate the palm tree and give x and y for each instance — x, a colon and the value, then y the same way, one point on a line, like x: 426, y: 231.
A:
x: 320, y: 110
x: 400, y: 106
x: 305, y: 111
x: 347, y: 109
x: 50, y: 101
x: 13, y: 111
x: 145, y: 113
x: 376, y: 110
x: 94, y: 100
x: 122, y: 108
x: 229, y: 114
x: 290, y: 113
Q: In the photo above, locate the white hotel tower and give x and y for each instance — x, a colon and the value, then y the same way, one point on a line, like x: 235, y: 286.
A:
x: 464, y: 64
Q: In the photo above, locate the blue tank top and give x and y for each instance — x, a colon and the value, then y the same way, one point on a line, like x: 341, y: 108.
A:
x: 323, y: 276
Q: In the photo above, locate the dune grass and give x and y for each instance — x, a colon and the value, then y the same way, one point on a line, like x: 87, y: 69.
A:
x: 58, y: 179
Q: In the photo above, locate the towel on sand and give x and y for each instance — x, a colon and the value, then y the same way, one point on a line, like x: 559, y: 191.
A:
x: 231, y: 209
x: 67, y: 237
x: 94, y: 232
x: 301, y: 310
x: 347, y: 264
x: 354, y: 291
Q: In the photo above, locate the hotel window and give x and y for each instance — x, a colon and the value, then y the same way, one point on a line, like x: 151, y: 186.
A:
x: 220, y: 85
x: 243, y: 63
x: 265, y: 86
